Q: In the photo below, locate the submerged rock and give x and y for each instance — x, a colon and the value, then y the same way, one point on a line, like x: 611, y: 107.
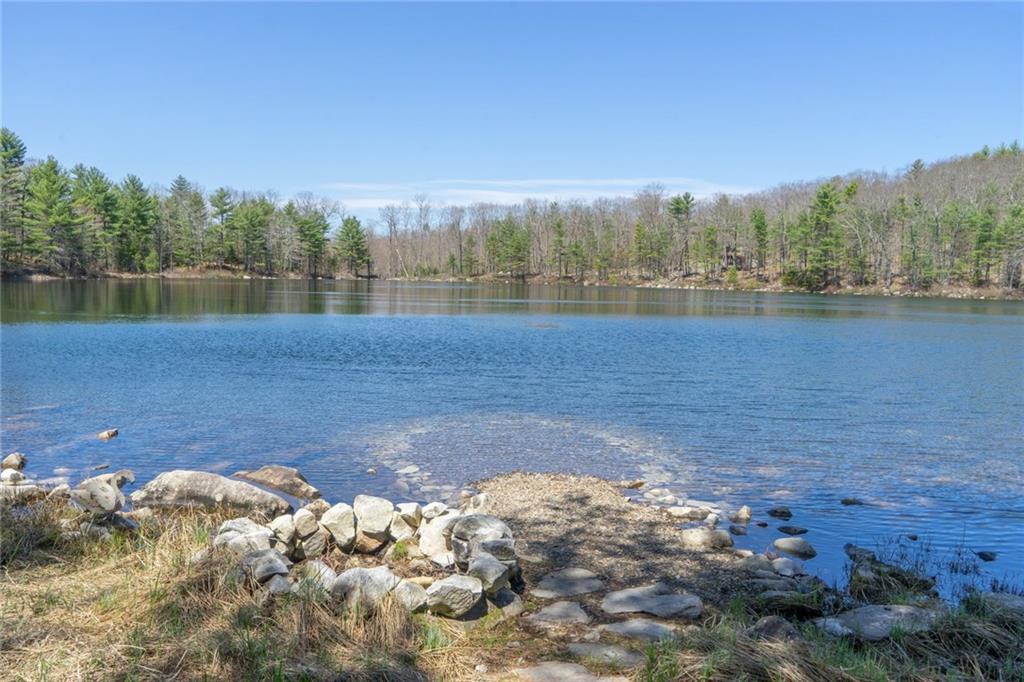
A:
x: 792, y: 530
x: 286, y: 479
x: 780, y: 512
x: 184, y: 488
x: 107, y: 435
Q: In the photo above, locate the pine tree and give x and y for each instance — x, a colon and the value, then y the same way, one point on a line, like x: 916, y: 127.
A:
x: 136, y: 216
x: 51, y: 228
x: 95, y: 204
x: 759, y: 225
x: 12, y: 194
x: 352, y: 246
x: 223, y: 204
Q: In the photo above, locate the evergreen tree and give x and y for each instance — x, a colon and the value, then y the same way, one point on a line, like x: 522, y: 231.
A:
x: 251, y: 220
x: 759, y: 225
x: 558, y: 247
x: 223, y: 204
x: 95, y: 204
x: 51, y: 229
x: 353, y: 248
x: 135, y: 219
x: 12, y: 194
x: 508, y: 247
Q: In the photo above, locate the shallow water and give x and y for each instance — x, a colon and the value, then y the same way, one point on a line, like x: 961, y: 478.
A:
x: 913, y: 405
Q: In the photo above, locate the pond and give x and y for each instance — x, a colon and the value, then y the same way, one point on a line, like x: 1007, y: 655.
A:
x: 914, y: 406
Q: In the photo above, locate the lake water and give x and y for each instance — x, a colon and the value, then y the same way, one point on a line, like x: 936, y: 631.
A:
x: 915, y: 406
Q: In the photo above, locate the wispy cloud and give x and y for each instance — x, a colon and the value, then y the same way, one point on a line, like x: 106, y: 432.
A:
x: 367, y: 197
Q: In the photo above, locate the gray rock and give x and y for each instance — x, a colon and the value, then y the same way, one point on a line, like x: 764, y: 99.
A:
x: 787, y: 567
x: 283, y: 527
x: 1004, y: 603
x: 286, y: 479
x: 278, y: 585
x: 314, y: 545
x: 11, y: 476
x: 433, y: 510
x: 98, y: 496
x: 567, y: 582
x: 509, y: 602
x: 317, y: 507
x: 243, y: 535
x: 454, y: 596
x: 479, y: 504
x: 399, y: 529
x: 876, y: 622
x: 373, y: 516
x: 757, y: 562
x: 792, y: 530
x: 743, y: 515
x: 411, y: 512
x: 780, y: 512
x: 468, y: 532
x: 491, y: 573
x: 985, y: 555
x: 261, y: 564
x: 851, y: 501
x: 15, y: 460
x: 108, y: 434
x: 689, y: 513
x: 796, y: 546
x: 364, y: 587
x: 657, y: 599
x: 560, y: 612
x: 318, y: 573
x: 305, y: 523
x: 859, y: 553
x: 502, y: 549
x: 340, y: 522
x: 773, y: 628
x: 608, y: 654
x: 640, y: 628
x: 737, y: 529
x: 411, y: 596
x: 705, y: 538
x: 183, y: 488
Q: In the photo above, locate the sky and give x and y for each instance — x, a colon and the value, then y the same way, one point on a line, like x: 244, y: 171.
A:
x: 374, y: 103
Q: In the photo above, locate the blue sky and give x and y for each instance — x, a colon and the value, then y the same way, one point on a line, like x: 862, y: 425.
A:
x: 371, y: 103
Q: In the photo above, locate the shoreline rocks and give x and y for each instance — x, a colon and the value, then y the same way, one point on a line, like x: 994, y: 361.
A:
x: 184, y: 488
x: 285, y: 479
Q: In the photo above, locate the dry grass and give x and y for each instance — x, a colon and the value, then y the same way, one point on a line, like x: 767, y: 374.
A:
x: 133, y: 608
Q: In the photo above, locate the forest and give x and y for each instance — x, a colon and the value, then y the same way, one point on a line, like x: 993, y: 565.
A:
x: 953, y: 222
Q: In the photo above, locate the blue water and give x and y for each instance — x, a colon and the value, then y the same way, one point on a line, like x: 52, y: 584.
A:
x: 915, y: 406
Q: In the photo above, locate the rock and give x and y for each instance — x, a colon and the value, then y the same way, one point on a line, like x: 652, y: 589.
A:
x: 468, y: 532
x: 340, y: 522
x: 107, y: 435
x: 399, y: 529
x: 364, y: 587
x: 412, y: 596
x: 285, y: 479
x: 787, y: 567
x: 557, y: 671
x: 851, y: 501
x: 631, y: 484
x: 411, y: 513
x: 509, y: 602
x: 433, y: 510
x: 858, y: 553
x: 278, y: 585
x: 118, y: 478
x: 1004, y: 603
x: 792, y: 530
x: 705, y: 538
x: 712, y: 521
x: 479, y: 504
x: 11, y: 476
x: 183, y: 488
x: 876, y: 622
x: 640, y: 628
x: 262, y: 564
x: 790, y: 602
x: 435, y: 531
x: 243, y: 535
x: 780, y: 513
x: 667, y: 500
x: 737, y: 529
x: 305, y: 523
x: 98, y: 496
x: 761, y: 524
x: 773, y: 628
x: 454, y: 596
x: 491, y: 573
x: 743, y: 515
x: 559, y: 613
x: 314, y: 545
x: 657, y: 599
x: 796, y: 546
x: 567, y: 582
x: 778, y: 584
x: 62, y: 491
x: 317, y: 507
x: 986, y: 555
x: 408, y: 470
x: 319, y: 574
x: 283, y: 527
x: 689, y: 513
x: 373, y: 516
x: 15, y: 460
x: 608, y: 654
x: 757, y: 562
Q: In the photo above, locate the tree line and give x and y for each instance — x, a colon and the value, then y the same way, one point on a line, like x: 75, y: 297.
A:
x: 958, y: 221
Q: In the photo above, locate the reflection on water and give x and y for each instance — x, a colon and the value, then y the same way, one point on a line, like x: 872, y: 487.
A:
x: 912, y: 405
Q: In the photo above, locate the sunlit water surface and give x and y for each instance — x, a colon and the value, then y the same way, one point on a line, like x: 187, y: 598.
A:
x: 915, y: 406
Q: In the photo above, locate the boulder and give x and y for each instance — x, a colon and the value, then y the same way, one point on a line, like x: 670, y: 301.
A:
x: 502, y: 549
x: 787, y: 567
x: 851, y: 501
x: 317, y: 507
x: 14, y: 495
x: 304, y: 522
x: 433, y: 510
x: 11, y: 476
x: 607, y: 654
x: 1004, y: 603
x: 107, y: 435
x: 184, y: 488
x: 314, y: 545
x: 262, y: 564
x: 283, y: 527
x: 737, y: 529
x: 435, y: 531
x: 792, y: 530
x: 373, y: 516
x: 15, y: 460
x: 479, y: 504
x: 340, y: 521
x: 411, y: 512
x: 508, y: 602
x: 492, y: 574
x: 454, y: 596
x: 796, y: 546
x: 743, y: 515
x: 559, y: 613
x: 780, y: 512
x: 773, y: 628
x: 657, y: 599
x: 412, y: 596
x: 689, y: 513
x: 876, y: 622
x: 640, y: 628
x: 285, y: 479
x: 278, y: 585
x: 705, y: 538
x: 400, y: 530
x: 364, y: 587
x: 98, y: 495
x: 986, y: 555
x: 567, y: 582
x: 243, y: 535
x: 468, y: 532
x: 319, y: 574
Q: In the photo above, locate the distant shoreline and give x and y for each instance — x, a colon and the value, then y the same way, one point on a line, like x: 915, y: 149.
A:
x: 746, y: 285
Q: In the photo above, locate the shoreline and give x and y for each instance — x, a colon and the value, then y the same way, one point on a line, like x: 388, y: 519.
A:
x: 748, y: 285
